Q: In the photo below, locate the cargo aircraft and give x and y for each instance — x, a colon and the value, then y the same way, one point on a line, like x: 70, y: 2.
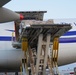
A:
x: 10, y: 58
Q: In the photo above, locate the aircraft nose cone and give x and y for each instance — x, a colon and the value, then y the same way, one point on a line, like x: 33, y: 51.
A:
x: 21, y: 17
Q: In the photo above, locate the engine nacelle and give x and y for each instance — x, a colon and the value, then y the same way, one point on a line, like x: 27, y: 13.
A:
x: 7, y: 15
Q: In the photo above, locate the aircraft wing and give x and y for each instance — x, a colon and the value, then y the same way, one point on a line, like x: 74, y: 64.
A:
x: 3, y: 2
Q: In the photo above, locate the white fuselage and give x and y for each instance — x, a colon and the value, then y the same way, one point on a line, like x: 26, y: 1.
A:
x: 10, y: 58
x: 67, y: 51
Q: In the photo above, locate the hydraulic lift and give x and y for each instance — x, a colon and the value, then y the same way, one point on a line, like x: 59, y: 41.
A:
x: 40, y: 43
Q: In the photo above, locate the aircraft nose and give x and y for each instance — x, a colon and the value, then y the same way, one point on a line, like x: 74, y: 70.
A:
x: 21, y: 17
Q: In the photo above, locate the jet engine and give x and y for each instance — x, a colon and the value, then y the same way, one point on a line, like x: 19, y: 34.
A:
x: 7, y: 15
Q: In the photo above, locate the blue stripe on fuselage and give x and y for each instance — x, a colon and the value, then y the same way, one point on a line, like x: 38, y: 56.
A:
x: 70, y: 33
x: 6, y: 38
x: 61, y: 40
x: 68, y: 40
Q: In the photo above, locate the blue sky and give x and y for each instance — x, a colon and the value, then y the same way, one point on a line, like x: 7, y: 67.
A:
x: 55, y: 9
